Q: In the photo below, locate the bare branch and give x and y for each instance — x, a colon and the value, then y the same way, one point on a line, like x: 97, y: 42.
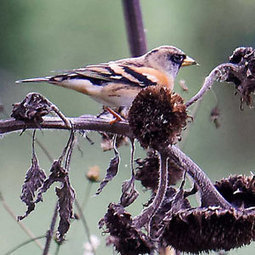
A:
x: 209, y: 194
x: 135, y: 29
x: 219, y: 73
x: 85, y: 122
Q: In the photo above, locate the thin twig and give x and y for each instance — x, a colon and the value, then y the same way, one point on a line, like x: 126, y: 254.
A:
x: 23, y: 244
x: 134, y: 26
x: 50, y: 231
x: 21, y: 224
x: 85, y: 225
x: 219, y: 73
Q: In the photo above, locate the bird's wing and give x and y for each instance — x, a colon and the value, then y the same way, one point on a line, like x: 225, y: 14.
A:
x: 102, y: 74
x: 115, y: 72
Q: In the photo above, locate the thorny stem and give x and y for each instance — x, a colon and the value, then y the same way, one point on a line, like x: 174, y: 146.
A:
x: 219, y: 73
x: 50, y: 231
x: 134, y: 26
x: 210, y: 196
x: 145, y: 217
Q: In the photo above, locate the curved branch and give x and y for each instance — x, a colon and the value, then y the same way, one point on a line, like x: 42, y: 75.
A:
x: 209, y: 194
x: 85, y: 122
x: 219, y: 73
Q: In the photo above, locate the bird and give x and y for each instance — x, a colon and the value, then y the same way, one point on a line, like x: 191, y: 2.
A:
x: 115, y: 84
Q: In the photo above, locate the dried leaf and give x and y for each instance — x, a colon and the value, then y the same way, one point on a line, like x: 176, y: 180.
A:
x: 110, y: 172
x: 34, y: 179
x: 66, y: 196
x: 58, y: 174
x: 32, y: 108
x: 129, y: 193
x: 123, y: 235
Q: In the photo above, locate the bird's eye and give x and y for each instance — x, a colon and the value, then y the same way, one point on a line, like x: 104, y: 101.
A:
x: 178, y: 59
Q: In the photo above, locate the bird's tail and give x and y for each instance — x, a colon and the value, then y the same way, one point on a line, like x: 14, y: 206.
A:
x: 39, y: 79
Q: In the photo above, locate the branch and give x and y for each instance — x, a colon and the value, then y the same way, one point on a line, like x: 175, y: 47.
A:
x: 219, y: 73
x: 134, y: 26
x: 209, y: 194
x: 84, y: 122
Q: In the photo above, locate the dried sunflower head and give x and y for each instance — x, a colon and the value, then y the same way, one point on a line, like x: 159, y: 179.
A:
x: 244, y: 76
x: 157, y: 117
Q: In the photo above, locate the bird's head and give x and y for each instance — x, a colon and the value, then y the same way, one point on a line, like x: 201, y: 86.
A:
x: 168, y: 59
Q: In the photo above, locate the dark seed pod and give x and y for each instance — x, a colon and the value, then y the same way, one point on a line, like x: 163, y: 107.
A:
x: 126, y: 239
x: 239, y: 190
x: 148, y: 171
x: 157, y: 117
x: 204, y: 229
x: 244, y: 76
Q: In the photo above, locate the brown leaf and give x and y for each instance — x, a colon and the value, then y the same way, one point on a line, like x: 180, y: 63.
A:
x: 66, y: 196
x: 110, y: 172
x: 35, y: 177
x: 129, y: 193
x: 58, y: 174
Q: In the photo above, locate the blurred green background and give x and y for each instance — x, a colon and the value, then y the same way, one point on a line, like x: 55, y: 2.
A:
x: 37, y: 37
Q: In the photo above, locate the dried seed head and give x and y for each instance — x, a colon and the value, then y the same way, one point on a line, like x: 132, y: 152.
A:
x: 126, y: 239
x: 244, y: 78
x: 239, y: 190
x: 93, y: 174
x: 32, y: 108
x: 157, y: 117
x: 204, y: 229
x: 148, y: 171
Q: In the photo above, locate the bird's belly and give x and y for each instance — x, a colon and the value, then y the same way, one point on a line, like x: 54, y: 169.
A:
x: 118, y: 95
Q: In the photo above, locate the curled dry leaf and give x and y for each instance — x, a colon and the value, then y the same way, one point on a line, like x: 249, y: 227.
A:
x: 66, y: 196
x: 110, y: 172
x: 129, y: 193
x: 34, y: 179
x: 32, y: 108
x: 124, y: 236
x: 58, y: 174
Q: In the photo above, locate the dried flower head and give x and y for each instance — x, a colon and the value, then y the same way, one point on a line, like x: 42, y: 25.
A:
x: 204, y: 229
x: 32, y: 108
x: 148, y: 171
x: 93, y: 174
x: 157, y: 117
x: 239, y: 190
x: 244, y: 76
x: 126, y: 239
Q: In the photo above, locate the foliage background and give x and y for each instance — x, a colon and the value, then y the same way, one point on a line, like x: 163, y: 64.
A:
x: 40, y: 36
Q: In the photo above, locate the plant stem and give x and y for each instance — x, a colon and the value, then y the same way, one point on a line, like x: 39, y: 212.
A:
x: 145, y: 217
x: 134, y: 26
x: 50, y: 231
x: 209, y: 194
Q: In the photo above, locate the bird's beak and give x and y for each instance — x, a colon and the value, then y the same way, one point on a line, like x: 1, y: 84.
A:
x: 188, y: 61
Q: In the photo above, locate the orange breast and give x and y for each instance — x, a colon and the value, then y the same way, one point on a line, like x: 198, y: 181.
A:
x: 156, y: 76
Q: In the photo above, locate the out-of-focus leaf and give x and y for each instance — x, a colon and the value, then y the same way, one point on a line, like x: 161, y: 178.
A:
x: 35, y: 177
x: 110, y: 172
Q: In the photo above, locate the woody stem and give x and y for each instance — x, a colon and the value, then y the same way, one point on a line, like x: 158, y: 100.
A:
x: 145, y: 217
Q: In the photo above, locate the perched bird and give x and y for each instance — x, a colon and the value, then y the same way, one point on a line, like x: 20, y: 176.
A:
x: 115, y: 84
